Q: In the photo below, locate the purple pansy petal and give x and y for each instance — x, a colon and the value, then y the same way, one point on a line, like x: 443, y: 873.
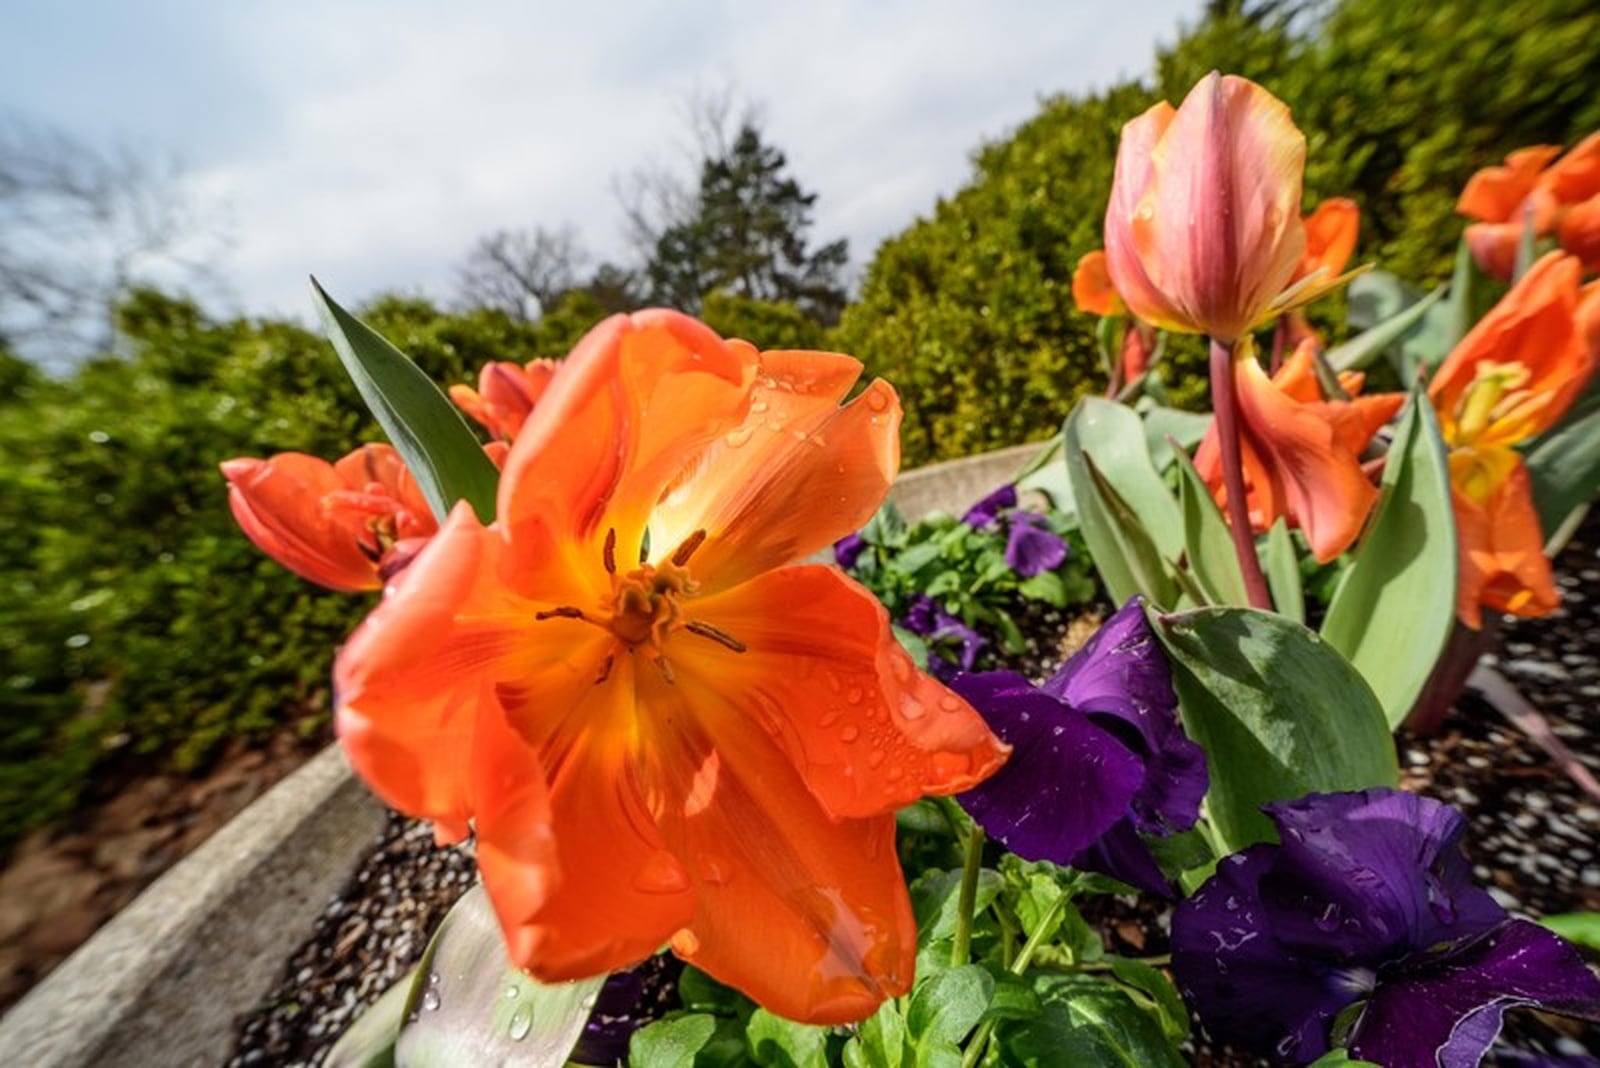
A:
x: 1122, y: 671
x: 1175, y: 781
x: 986, y: 511
x: 1032, y: 548
x: 1067, y: 781
x: 971, y: 642
x: 1122, y: 854
x: 921, y: 615
x: 848, y: 549
x: 1372, y: 875
x: 1445, y: 1008
x: 1249, y: 989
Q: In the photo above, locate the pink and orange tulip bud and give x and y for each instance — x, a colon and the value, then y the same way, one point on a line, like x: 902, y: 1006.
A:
x: 1503, y: 565
x: 1521, y: 367
x: 1301, y: 452
x: 345, y: 526
x: 505, y: 395
x: 1560, y: 200
x: 1203, y: 230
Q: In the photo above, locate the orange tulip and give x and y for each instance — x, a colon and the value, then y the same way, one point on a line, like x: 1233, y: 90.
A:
x: 1562, y: 199
x: 1092, y: 290
x: 1203, y: 230
x: 1331, y: 233
x: 1521, y: 367
x: 1301, y: 453
x: 344, y: 526
x: 1503, y: 565
x: 505, y: 395
x: 660, y: 730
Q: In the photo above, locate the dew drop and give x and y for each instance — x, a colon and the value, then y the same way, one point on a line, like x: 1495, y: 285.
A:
x: 587, y: 1004
x: 737, y: 437
x: 715, y: 869
x: 521, y: 1024
x: 877, y: 401
x: 830, y: 717
x: 661, y: 874
x: 911, y: 707
x: 511, y: 993
x: 876, y: 758
x: 850, y: 733
x: 835, y: 683
x: 950, y: 703
x: 430, y: 1000
x: 853, y: 695
x: 758, y: 406
x: 895, y: 773
x: 1232, y: 904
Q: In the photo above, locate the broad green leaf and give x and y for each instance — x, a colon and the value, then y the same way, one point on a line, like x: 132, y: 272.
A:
x: 469, y: 1006
x: 779, y: 1043
x: 1582, y: 928
x: 1047, y: 474
x: 426, y: 429
x: 948, y: 1006
x: 1282, y: 566
x: 1564, y: 464
x: 1279, y: 713
x: 1365, y: 348
x: 1131, y: 531
x: 1458, y: 314
x: 1158, y: 989
x: 370, y: 1041
x: 1208, y: 545
x: 880, y: 1041
x: 672, y: 1042
x: 1163, y: 426
x: 1402, y: 578
x: 1087, y: 1023
x: 935, y: 896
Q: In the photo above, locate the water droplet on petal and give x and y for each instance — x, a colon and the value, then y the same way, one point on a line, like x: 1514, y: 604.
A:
x: 521, y: 1023
x: 758, y: 406
x: 715, y: 869
x: 911, y: 707
x: 876, y: 758
x: 738, y: 436
x: 830, y: 717
x: 876, y: 400
x: 950, y: 703
x: 661, y: 874
x: 853, y: 695
x: 850, y: 733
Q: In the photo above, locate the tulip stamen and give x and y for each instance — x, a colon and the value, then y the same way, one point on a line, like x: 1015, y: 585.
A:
x: 563, y: 612
x: 605, y: 669
x: 686, y: 550
x: 716, y: 634
x: 609, y: 553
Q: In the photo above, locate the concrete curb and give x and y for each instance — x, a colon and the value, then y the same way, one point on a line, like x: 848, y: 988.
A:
x: 165, y: 981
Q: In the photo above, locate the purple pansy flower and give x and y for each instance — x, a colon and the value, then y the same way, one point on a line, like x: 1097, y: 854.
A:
x: 1098, y: 756
x: 944, y: 633
x: 1367, y: 899
x: 1032, y: 548
x: 982, y: 515
x: 848, y: 549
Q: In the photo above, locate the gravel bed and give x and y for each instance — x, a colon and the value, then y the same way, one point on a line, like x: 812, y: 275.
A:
x: 1534, y: 840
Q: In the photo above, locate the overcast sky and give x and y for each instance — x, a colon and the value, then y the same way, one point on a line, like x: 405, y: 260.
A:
x: 369, y: 143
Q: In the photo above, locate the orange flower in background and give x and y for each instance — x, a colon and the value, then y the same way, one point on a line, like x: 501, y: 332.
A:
x: 660, y: 731
x: 343, y: 526
x: 505, y: 395
x: 1560, y: 200
x: 1331, y: 232
x: 1503, y: 565
x: 1203, y: 230
x: 1092, y: 290
x: 1302, y: 452
x: 1521, y: 367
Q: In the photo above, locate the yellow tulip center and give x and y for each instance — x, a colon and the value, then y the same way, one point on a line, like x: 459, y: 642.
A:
x: 1496, y: 388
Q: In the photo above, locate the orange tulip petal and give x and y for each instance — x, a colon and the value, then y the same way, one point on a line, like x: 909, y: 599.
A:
x: 1494, y: 194
x: 638, y: 397
x: 1503, y: 565
x: 806, y: 914
x: 1218, y: 228
x: 823, y: 672
x: 1092, y: 290
x: 1576, y: 176
x: 619, y: 894
x: 796, y: 476
x: 1578, y: 231
x: 279, y: 505
x: 1494, y: 247
x: 1331, y: 233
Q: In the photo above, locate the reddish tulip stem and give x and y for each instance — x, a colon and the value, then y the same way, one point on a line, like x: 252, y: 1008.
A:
x: 1225, y: 402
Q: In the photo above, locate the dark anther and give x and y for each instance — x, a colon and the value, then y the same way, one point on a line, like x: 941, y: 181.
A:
x: 666, y: 669
x: 716, y: 634
x: 686, y: 550
x: 611, y: 551
x: 605, y: 669
x: 564, y: 612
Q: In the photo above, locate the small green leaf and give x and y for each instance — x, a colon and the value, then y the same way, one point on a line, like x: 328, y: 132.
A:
x: 469, y: 1006
x: 1087, y: 1023
x: 880, y: 1041
x: 1128, y: 517
x: 426, y: 429
x: 1582, y: 928
x: 935, y: 897
x: 1402, y: 578
x: 1282, y: 565
x: 779, y: 1043
x: 671, y: 1042
x: 1278, y: 711
x: 1046, y: 586
x: 1208, y: 545
x: 1158, y: 989
x: 948, y: 1006
x: 1340, y: 1058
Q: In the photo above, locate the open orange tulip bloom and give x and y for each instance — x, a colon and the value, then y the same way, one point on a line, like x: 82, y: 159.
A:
x: 1503, y: 565
x: 505, y: 395
x: 1301, y: 453
x: 339, y: 525
x: 1203, y: 230
x: 660, y: 732
x: 1560, y: 199
x: 1521, y: 367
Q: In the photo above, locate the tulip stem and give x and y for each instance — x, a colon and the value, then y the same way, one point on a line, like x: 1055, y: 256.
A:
x: 1224, y: 399
x: 961, y: 946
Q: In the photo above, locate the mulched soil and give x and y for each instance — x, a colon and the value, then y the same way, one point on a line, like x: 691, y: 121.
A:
x: 1533, y: 841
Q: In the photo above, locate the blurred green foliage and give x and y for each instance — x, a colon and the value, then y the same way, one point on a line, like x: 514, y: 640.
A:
x: 138, y: 626
x: 969, y: 312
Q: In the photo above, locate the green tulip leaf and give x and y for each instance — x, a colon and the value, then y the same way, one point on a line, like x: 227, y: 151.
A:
x: 1402, y: 578
x: 1208, y: 546
x: 1564, y: 464
x: 369, y: 1041
x: 1365, y: 348
x: 1282, y: 566
x: 1279, y: 713
x: 426, y: 429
